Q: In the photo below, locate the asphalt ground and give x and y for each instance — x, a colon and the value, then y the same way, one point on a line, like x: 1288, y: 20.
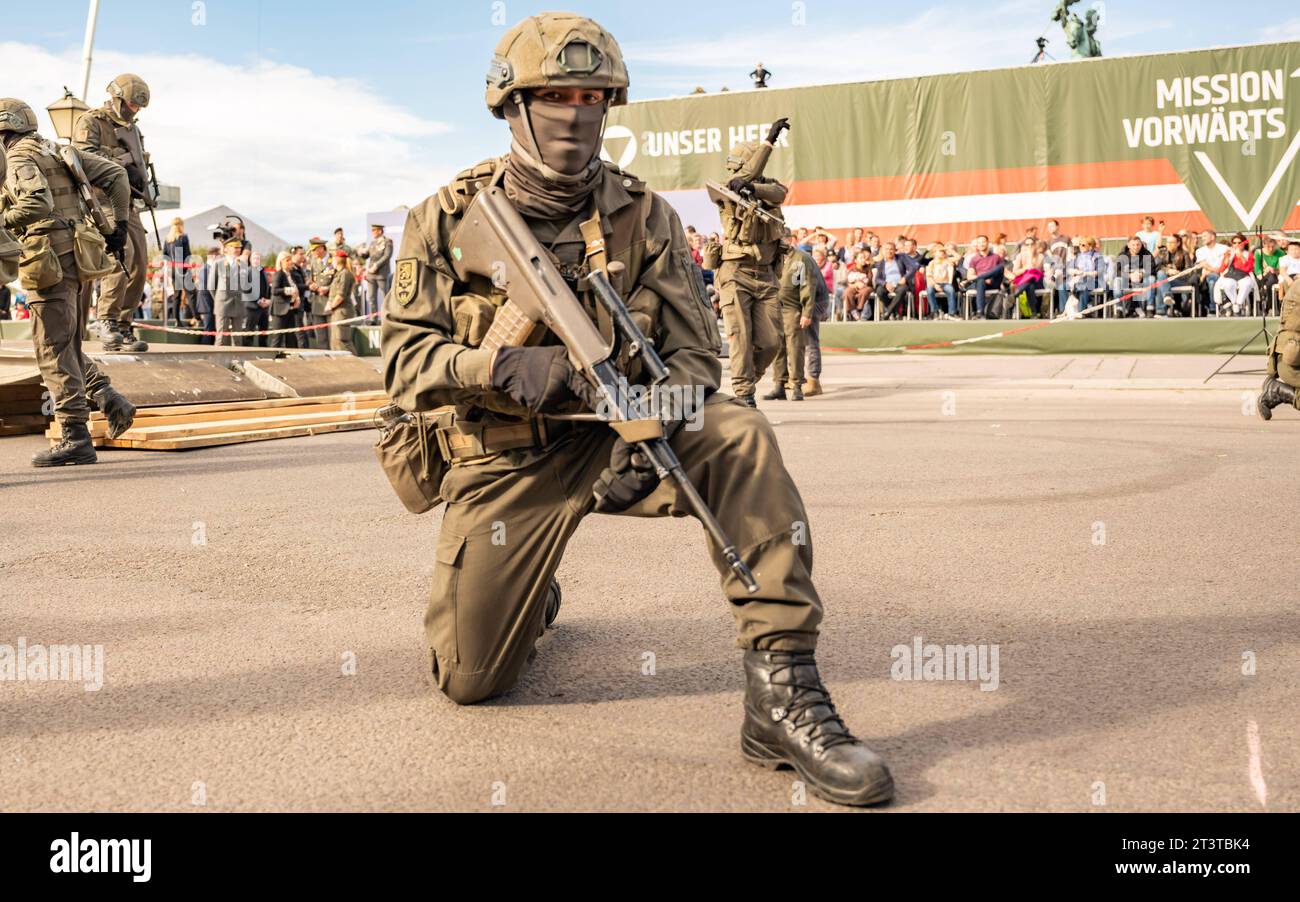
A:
x: 1123, y: 537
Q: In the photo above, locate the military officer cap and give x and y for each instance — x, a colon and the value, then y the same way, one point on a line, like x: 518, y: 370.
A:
x: 16, y: 116
x: 130, y: 88
x: 316, y: 242
x: 556, y: 50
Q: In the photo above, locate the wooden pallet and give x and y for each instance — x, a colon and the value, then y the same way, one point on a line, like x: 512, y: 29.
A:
x: 192, y: 426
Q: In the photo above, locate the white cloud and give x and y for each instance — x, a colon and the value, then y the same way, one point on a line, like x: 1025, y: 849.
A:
x: 297, y: 151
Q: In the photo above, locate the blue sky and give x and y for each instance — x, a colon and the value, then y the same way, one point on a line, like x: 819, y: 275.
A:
x: 415, y: 71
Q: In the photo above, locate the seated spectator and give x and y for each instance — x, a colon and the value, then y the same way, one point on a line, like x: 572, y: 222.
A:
x: 1000, y: 246
x: 21, y: 310
x: 1085, y: 274
x: 1236, y: 284
x: 1058, y: 245
x: 1209, y: 256
x: 1171, y: 260
x: 1288, y: 268
x: 860, y: 283
x: 1135, y: 272
x: 895, y: 279
x: 1267, y: 258
x: 985, y: 271
x: 1027, y: 276
x: 1151, y: 236
x: 939, y: 277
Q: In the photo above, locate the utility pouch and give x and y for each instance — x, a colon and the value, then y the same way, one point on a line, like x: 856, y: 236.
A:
x: 408, y: 453
x: 91, y: 252
x: 39, y: 268
x: 11, y: 254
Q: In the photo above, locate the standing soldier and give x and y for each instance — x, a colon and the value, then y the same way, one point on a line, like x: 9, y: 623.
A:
x: 798, y: 294
x: 111, y: 132
x: 319, y: 274
x: 44, y: 208
x: 509, y: 466
x: 341, y: 306
x: 1284, y: 358
x: 379, y: 264
x: 747, y: 281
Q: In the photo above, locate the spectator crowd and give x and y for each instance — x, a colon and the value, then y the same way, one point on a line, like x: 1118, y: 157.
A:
x: 1153, y: 275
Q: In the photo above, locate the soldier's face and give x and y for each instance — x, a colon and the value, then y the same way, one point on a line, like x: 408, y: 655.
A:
x: 566, y: 123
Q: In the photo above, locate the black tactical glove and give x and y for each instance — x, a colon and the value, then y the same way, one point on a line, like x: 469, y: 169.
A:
x: 778, y: 126
x: 629, y: 480
x: 117, y: 241
x: 541, y: 379
x: 741, y: 186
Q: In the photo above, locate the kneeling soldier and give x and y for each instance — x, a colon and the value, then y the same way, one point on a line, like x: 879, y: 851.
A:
x: 512, y: 466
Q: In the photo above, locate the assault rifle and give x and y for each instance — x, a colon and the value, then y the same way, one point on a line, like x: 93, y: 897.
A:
x: 493, y: 241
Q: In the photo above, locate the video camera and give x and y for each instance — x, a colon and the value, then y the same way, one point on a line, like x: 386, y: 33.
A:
x: 226, y: 230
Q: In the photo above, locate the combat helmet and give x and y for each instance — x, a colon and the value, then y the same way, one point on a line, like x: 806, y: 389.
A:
x: 561, y: 50
x: 740, y: 155
x: 16, y: 116
x: 130, y: 88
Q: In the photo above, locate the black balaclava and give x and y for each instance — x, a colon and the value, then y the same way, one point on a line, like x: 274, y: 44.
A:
x: 554, y: 162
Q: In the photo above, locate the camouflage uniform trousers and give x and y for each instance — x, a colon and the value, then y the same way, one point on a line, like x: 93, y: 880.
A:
x: 69, y: 375
x: 120, y: 294
x: 509, y: 518
x: 752, y: 315
x: 795, y: 342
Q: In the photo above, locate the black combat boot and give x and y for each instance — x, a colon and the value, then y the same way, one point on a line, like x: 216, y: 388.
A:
x: 748, y: 401
x: 797, y: 393
x: 130, y: 342
x: 553, y: 598
x: 75, y: 448
x: 104, y: 333
x: 119, y: 412
x: 1275, y: 392
x: 790, y: 720
x: 776, y: 394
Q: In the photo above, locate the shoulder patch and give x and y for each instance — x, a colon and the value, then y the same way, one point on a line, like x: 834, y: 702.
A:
x: 406, y: 283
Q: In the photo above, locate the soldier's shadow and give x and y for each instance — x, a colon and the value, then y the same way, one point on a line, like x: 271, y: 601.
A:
x: 1064, y: 678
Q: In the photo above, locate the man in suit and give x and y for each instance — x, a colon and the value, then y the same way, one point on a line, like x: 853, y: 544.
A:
x: 228, y: 282
x: 895, y: 278
x: 204, y: 306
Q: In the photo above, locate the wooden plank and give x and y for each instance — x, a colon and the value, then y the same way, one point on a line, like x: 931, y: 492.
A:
x: 222, y: 427
x: 20, y: 407
x: 159, y: 382
x: 237, y: 438
x: 202, y: 416
x: 6, y: 431
x: 267, y: 404
x: 149, y: 420
x: 306, y: 376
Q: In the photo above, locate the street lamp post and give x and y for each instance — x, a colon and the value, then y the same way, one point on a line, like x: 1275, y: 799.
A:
x: 64, y: 113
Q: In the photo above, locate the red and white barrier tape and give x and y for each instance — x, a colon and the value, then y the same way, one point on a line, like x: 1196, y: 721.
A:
x: 146, y: 327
